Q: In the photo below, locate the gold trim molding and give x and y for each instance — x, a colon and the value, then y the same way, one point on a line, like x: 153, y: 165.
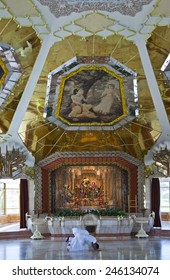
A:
x: 5, y: 70
x: 84, y: 123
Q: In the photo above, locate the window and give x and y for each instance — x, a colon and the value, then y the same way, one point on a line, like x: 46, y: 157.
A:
x: 9, y: 196
x: 165, y: 195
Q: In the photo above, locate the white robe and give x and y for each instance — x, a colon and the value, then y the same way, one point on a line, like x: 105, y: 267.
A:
x: 82, y: 240
x: 79, y: 230
x: 107, y: 99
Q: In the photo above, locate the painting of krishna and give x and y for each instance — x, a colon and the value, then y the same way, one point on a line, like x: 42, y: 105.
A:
x: 91, y: 95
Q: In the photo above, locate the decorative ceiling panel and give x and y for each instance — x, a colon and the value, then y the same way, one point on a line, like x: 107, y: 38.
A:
x: 91, y: 91
x: 24, y: 46
x: 3, y: 70
x: 10, y: 71
x: 162, y: 8
x: 66, y: 7
x: 132, y: 21
x: 21, y: 8
x: 94, y: 22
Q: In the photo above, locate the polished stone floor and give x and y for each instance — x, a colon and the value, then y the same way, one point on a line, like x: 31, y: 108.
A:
x: 52, y: 248
x: 15, y: 226
x: 152, y: 248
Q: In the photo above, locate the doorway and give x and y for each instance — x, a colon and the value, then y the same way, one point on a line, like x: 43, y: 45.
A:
x: 165, y: 202
x: 9, y: 201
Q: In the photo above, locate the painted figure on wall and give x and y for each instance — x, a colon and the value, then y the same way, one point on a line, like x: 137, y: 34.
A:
x: 79, y: 106
x: 95, y: 96
x: 107, y: 99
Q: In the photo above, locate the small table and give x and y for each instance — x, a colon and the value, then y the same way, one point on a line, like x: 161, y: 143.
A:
x: 37, y: 234
x: 141, y: 232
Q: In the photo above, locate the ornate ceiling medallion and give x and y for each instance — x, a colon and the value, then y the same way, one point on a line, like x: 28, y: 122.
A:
x: 66, y: 7
x: 91, y: 93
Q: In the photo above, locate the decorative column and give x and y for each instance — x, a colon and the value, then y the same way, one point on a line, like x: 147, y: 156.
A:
x: 152, y: 83
x: 38, y: 188
x: 31, y: 84
x: 140, y: 190
x: 148, y: 193
x: 155, y: 93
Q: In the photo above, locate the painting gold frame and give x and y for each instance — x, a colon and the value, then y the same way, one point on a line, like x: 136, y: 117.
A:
x: 100, y: 122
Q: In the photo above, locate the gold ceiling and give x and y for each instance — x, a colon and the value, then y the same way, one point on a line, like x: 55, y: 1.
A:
x: 92, y: 33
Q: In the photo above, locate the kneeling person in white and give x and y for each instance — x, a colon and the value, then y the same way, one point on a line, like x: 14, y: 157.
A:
x: 82, y: 240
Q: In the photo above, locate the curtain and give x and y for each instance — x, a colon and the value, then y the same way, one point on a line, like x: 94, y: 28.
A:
x: 53, y: 191
x: 23, y: 202
x: 155, y: 201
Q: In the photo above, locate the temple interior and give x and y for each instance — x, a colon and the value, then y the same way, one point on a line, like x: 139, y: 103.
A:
x: 84, y: 118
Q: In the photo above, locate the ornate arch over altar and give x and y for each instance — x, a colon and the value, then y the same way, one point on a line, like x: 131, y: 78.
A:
x: 88, y: 179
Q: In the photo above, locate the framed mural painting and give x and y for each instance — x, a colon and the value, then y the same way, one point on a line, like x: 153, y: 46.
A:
x: 91, y: 95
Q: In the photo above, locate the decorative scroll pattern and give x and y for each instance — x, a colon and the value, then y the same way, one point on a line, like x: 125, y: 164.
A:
x: 141, y: 180
x: 59, y: 156
x: 66, y: 7
x: 38, y: 188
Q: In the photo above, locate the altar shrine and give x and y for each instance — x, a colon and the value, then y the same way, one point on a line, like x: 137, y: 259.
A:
x: 90, y: 187
x: 89, y: 181
x: 85, y: 194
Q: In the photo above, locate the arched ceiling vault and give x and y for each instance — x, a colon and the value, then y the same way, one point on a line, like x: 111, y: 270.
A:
x: 46, y: 34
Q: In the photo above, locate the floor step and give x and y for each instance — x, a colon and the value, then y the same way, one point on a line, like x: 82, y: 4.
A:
x: 160, y: 232
x: 15, y: 234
